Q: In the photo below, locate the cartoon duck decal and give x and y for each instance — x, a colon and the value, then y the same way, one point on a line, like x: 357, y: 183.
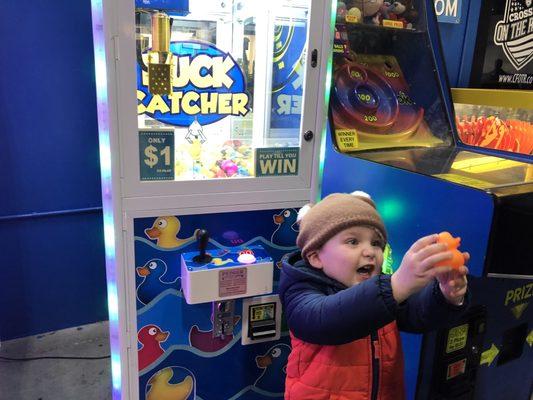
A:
x: 286, y: 232
x: 274, y: 365
x: 204, y: 340
x: 152, y: 283
x: 219, y: 261
x: 165, y: 231
x: 150, y: 337
x: 161, y: 387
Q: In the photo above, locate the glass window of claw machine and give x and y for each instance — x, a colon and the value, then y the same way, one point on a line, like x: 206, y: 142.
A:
x: 220, y: 94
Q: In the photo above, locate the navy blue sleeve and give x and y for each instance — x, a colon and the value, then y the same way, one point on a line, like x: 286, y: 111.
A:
x: 332, y: 319
x: 428, y: 310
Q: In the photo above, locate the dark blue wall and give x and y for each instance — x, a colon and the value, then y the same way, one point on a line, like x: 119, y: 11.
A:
x: 53, y: 271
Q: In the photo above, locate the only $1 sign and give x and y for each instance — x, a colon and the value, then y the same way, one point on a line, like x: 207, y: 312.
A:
x: 156, y: 155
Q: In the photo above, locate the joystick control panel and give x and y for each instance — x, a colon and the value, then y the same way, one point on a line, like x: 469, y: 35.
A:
x: 225, y: 273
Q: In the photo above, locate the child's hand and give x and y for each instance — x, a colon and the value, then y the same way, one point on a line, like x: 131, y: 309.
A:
x: 453, y: 284
x: 418, y: 267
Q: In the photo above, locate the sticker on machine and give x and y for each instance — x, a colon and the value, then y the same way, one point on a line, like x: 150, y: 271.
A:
x: 276, y: 161
x: 156, y: 154
x: 515, y: 32
x: 196, y: 82
x: 347, y: 139
x: 457, y: 337
x: 456, y: 368
x: 232, y: 282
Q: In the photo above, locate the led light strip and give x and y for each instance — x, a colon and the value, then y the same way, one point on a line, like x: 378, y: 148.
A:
x: 329, y: 71
x: 100, y: 69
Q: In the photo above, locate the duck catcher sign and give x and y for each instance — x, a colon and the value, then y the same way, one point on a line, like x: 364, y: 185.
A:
x: 207, y: 86
x: 515, y: 32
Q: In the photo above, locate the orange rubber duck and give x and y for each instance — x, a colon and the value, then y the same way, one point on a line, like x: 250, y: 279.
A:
x: 457, y: 259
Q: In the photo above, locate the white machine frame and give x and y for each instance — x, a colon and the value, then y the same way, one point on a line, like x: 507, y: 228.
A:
x: 125, y: 197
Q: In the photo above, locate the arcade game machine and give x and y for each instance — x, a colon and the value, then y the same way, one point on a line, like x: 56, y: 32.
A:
x: 393, y: 135
x: 494, y: 116
x: 209, y: 123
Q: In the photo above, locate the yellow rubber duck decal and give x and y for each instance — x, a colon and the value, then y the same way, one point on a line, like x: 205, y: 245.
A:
x: 161, y: 389
x: 165, y: 230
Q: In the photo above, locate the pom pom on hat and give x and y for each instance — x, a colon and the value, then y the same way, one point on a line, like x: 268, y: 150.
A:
x: 333, y: 214
x: 364, y: 196
x: 304, y: 210
x: 360, y: 193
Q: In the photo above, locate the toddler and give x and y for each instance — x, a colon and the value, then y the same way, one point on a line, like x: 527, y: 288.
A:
x: 344, y: 315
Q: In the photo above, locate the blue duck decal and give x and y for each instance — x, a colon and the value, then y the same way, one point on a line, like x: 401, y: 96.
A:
x: 153, y: 284
x: 286, y: 232
x: 274, y: 365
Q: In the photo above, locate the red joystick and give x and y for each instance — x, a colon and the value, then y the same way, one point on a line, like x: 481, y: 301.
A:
x: 203, y: 238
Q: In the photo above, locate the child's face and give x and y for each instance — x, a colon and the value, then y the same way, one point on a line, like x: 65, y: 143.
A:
x: 351, y: 256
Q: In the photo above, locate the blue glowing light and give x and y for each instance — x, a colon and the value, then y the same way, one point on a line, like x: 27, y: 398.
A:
x: 329, y: 71
x: 100, y: 70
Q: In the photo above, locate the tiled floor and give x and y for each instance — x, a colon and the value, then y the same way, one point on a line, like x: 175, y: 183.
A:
x: 58, y: 379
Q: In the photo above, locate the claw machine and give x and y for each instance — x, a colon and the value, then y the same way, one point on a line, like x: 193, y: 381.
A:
x: 210, y: 128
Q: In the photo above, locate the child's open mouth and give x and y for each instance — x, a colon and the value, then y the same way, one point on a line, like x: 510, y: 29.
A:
x: 365, y: 270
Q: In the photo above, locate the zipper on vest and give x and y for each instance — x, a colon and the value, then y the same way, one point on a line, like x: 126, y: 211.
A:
x: 375, y: 366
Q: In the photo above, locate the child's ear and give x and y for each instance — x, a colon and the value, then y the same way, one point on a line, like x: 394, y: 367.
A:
x: 314, y: 260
